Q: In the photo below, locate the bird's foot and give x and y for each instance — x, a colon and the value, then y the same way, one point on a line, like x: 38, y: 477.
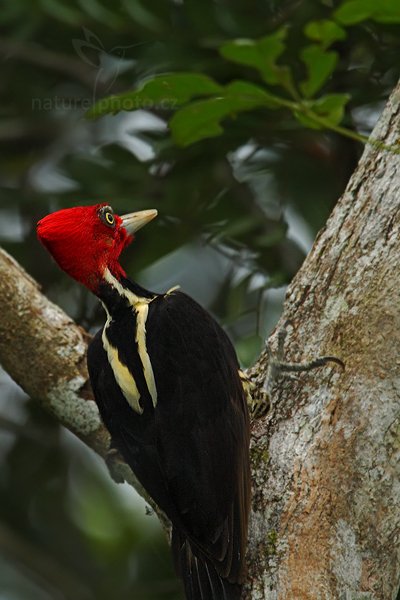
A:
x: 259, y: 401
x: 256, y: 397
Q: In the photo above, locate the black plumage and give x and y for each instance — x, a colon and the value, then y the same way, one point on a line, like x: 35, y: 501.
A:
x: 190, y: 451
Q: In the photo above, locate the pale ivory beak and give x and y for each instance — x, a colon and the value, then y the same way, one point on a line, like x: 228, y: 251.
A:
x: 136, y: 220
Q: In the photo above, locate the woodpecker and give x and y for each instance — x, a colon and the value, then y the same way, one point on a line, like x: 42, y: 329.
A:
x: 167, y: 383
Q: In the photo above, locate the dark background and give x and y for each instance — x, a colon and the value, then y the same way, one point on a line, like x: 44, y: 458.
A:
x: 237, y: 214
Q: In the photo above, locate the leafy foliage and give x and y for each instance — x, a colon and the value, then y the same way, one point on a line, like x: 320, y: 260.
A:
x: 261, y: 54
x: 164, y: 90
x: 202, y: 119
x: 356, y: 11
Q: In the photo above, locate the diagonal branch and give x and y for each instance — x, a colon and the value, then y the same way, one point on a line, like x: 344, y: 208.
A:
x: 44, y: 351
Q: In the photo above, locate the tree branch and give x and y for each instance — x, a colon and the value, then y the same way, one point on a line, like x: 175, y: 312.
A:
x: 44, y: 351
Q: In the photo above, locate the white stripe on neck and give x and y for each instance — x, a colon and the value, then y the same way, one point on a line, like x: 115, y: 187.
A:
x: 132, y: 298
x: 122, y: 374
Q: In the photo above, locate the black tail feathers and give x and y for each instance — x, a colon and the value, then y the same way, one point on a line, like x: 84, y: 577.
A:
x: 200, y: 577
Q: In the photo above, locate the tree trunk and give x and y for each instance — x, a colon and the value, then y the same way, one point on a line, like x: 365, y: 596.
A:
x: 326, y: 508
x: 326, y: 497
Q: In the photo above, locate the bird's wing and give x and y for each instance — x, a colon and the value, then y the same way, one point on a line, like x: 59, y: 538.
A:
x: 190, y: 450
x: 132, y: 434
x: 201, y: 426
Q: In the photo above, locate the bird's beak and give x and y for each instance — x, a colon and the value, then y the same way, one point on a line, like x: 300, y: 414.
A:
x: 136, y: 220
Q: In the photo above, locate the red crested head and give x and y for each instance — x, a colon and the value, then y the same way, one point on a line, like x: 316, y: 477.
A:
x: 86, y: 240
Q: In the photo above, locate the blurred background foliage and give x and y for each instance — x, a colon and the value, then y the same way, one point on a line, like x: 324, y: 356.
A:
x: 238, y: 212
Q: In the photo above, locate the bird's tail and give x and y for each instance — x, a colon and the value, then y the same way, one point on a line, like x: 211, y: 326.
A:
x: 200, y: 577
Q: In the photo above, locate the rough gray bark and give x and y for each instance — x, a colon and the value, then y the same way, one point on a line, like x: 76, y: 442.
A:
x: 326, y: 510
x: 326, y: 496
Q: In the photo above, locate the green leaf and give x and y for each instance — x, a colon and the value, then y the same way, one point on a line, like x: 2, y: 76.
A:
x: 325, y: 32
x: 163, y: 91
x: 261, y: 54
x: 307, y: 120
x: 330, y: 108
x: 320, y: 65
x: 387, y: 12
x: 355, y: 11
x: 201, y: 119
x: 251, y: 93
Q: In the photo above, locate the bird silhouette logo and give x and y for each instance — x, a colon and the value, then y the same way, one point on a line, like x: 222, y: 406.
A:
x: 108, y: 63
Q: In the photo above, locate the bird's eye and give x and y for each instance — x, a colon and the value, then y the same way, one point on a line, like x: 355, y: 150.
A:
x: 107, y: 216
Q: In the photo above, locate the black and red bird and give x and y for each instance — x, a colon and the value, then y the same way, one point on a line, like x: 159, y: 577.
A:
x: 166, y: 380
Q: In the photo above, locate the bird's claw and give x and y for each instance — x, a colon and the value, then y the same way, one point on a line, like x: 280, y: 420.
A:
x: 258, y: 400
